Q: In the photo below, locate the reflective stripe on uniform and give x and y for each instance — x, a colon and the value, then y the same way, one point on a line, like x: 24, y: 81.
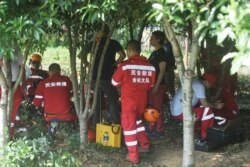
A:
x: 205, y: 116
x: 140, y: 129
x: 137, y: 67
x: 131, y: 143
x: 138, y: 122
x: 131, y: 132
x: 36, y: 77
x: 220, y: 120
x: 114, y: 82
x: 38, y: 97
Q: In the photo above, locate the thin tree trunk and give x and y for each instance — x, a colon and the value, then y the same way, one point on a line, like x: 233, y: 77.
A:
x: 188, y: 116
x: 83, y: 121
x: 3, y: 112
x: 87, y: 111
x: 130, y: 26
x: 188, y: 121
x: 7, y: 75
x: 176, y: 47
x: 77, y: 103
x: 72, y: 35
x: 186, y: 83
x: 101, y: 65
x: 144, y: 21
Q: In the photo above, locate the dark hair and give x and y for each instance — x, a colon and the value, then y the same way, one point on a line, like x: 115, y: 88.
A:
x: 160, y: 35
x: 134, y: 45
x: 54, y: 67
x: 106, y: 28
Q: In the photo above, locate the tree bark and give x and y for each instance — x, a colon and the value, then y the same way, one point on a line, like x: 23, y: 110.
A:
x: 188, y: 116
x: 3, y: 111
x: 176, y: 47
x: 142, y: 26
x: 130, y: 27
x: 185, y: 77
x: 78, y: 105
x: 101, y: 65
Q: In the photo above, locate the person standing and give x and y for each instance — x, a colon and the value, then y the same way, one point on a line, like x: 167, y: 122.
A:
x: 135, y: 76
x: 108, y: 68
x: 158, y: 59
x: 201, y: 107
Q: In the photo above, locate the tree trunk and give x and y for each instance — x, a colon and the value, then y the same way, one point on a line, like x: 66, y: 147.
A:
x: 3, y: 112
x: 101, y: 65
x: 130, y: 27
x: 86, y: 114
x: 142, y: 26
x: 176, y: 47
x: 186, y: 83
x: 188, y: 116
x: 188, y: 121
x: 7, y: 91
x: 78, y: 100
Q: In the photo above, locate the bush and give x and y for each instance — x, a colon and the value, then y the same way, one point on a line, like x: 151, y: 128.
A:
x: 243, y: 86
x: 36, y: 153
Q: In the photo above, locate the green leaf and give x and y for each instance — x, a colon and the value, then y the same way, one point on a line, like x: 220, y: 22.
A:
x: 223, y: 35
x: 36, y: 35
x: 157, y: 6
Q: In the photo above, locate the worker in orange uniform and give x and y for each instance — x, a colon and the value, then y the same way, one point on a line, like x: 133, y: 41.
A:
x: 135, y: 76
x: 37, y: 75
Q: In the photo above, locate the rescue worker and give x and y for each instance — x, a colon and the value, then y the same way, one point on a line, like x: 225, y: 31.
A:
x: 108, y: 68
x: 18, y: 95
x: 135, y: 76
x: 55, y: 93
x: 37, y: 75
x: 230, y: 109
x: 201, y: 107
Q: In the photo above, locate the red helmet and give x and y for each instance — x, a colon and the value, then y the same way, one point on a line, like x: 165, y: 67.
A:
x: 151, y: 115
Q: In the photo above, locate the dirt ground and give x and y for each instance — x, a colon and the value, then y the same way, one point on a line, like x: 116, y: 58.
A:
x: 167, y: 152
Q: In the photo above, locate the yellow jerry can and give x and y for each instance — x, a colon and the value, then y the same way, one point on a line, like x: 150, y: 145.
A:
x: 108, y: 135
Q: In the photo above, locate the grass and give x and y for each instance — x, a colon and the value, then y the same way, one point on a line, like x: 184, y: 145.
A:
x: 58, y: 55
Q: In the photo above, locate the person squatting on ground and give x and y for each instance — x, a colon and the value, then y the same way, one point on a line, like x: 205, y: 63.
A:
x: 18, y: 95
x: 230, y: 110
x: 36, y: 76
x: 158, y: 59
x: 109, y: 65
x: 54, y: 94
x: 135, y: 76
x: 201, y: 107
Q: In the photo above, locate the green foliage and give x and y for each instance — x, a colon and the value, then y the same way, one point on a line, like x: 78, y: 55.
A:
x: 59, y: 55
x: 243, y: 86
x: 228, y: 20
x: 224, y: 20
x: 36, y: 152
x: 22, y: 24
